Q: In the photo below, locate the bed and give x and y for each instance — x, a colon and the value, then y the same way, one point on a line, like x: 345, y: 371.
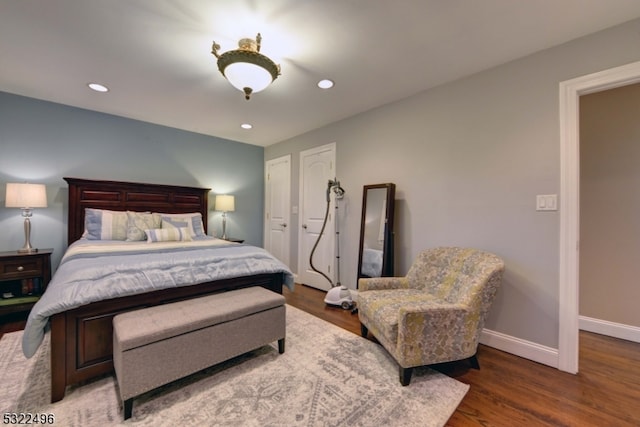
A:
x: 81, y: 337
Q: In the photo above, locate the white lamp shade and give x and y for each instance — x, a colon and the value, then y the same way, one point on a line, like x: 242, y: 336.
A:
x: 26, y: 196
x: 244, y: 74
x: 225, y: 203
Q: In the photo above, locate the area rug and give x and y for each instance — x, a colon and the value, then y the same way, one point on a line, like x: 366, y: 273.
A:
x: 326, y: 377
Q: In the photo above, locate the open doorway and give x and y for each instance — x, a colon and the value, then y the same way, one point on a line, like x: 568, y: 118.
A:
x: 610, y: 212
x: 570, y: 91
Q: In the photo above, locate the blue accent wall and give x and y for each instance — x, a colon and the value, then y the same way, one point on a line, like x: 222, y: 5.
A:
x: 42, y: 142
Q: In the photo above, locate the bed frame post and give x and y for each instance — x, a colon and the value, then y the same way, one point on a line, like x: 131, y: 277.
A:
x: 58, y: 365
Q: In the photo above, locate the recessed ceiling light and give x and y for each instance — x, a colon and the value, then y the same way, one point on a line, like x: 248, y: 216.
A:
x: 98, y: 87
x: 325, y: 84
x: 246, y: 126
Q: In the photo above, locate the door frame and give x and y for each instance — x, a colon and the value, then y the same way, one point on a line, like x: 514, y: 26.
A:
x: 568, y: 303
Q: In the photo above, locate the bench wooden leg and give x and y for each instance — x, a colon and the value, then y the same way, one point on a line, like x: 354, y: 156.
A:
x: 128, y: 408
x: 281, y: 346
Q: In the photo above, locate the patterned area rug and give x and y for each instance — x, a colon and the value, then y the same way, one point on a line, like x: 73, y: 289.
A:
x: 326, y: 377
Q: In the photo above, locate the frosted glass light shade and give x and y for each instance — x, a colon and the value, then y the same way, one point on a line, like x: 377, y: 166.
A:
x: 243, y: 74
x: 225, y: 203
x: 26, y: 196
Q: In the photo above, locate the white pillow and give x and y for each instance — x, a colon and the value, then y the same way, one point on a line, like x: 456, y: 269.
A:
x: 168, y: 235
x: 137, y: 222
x: 102, y: 224
x: 193, y: 221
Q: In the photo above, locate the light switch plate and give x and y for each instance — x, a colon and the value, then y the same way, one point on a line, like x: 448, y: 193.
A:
x: 547, y: 202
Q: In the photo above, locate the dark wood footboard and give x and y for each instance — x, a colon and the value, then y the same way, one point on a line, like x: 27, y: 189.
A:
x: 82, y: 338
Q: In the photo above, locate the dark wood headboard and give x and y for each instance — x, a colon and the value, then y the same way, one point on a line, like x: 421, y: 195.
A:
x: 133, y: 196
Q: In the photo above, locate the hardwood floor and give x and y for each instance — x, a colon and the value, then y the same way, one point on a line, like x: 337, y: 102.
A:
x: 512, y: 391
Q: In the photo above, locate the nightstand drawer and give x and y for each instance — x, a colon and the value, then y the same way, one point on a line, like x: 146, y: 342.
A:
x: 17, y: 268
x: 23, y: 279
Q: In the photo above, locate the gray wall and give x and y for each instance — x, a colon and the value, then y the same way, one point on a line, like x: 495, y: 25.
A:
x: 468, y: 159
x: 42, y: 142
x: 610, y: 205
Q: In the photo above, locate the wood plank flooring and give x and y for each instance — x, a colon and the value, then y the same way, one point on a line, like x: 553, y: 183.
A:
x: 512, y: 391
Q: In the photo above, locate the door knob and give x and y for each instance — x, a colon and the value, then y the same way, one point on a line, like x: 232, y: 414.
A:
x: 304, y: 226
x: 284, y: 224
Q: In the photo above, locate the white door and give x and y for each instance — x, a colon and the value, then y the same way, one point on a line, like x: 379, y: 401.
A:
x: 317, y: 168
x: 277, y: 205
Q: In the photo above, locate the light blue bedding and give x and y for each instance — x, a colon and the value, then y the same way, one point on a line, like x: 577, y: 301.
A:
x: 97, y: 270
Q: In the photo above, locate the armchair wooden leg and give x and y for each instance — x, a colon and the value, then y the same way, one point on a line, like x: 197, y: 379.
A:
x: 474, y: 362
x: 405, y: 375
x: 363, y: 330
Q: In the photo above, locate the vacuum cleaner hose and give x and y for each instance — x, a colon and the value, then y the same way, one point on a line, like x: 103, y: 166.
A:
x: 335, y: 185
x: 315, y: 246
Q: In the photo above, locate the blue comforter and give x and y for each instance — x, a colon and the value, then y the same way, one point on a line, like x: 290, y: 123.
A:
x: 97, y: 270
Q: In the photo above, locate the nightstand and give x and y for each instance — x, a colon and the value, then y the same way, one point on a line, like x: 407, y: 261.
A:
x: 23, y: 279
x: 234, y: 240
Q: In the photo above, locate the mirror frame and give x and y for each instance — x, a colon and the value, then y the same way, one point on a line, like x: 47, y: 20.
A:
x: 388, y: 244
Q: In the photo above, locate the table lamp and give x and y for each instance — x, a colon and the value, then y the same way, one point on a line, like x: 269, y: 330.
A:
x: 225, y: 203
x: 26, y: 196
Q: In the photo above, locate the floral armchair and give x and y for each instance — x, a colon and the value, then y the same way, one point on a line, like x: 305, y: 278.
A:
x: 436, y: 312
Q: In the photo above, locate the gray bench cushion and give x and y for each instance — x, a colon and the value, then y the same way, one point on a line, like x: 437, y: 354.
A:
x: 165, y: 321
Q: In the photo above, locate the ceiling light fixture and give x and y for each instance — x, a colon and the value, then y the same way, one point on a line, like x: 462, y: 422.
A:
x: 246, y: 68
x: 325, y: 84
x: 246, y: 126
x: 98, y: 87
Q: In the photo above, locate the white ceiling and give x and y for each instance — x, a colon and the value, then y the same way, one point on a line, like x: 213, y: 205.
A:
x: 154, y: 55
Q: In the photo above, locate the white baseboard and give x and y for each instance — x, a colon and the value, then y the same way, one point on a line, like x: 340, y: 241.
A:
x: 604, y: 327
x: 547, y: 355
x: 527, y: 349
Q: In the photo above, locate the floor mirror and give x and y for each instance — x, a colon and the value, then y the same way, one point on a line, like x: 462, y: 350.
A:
x: 375, y: 258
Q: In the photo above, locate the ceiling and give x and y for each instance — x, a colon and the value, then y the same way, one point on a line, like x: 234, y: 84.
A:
x: 154, y: 55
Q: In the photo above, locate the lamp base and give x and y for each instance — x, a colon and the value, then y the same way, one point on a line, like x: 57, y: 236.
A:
x: 224, y: 226
x: 27, y: 250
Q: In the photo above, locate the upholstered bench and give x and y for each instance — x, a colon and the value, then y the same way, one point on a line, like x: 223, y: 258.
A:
x: 157, y: 345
